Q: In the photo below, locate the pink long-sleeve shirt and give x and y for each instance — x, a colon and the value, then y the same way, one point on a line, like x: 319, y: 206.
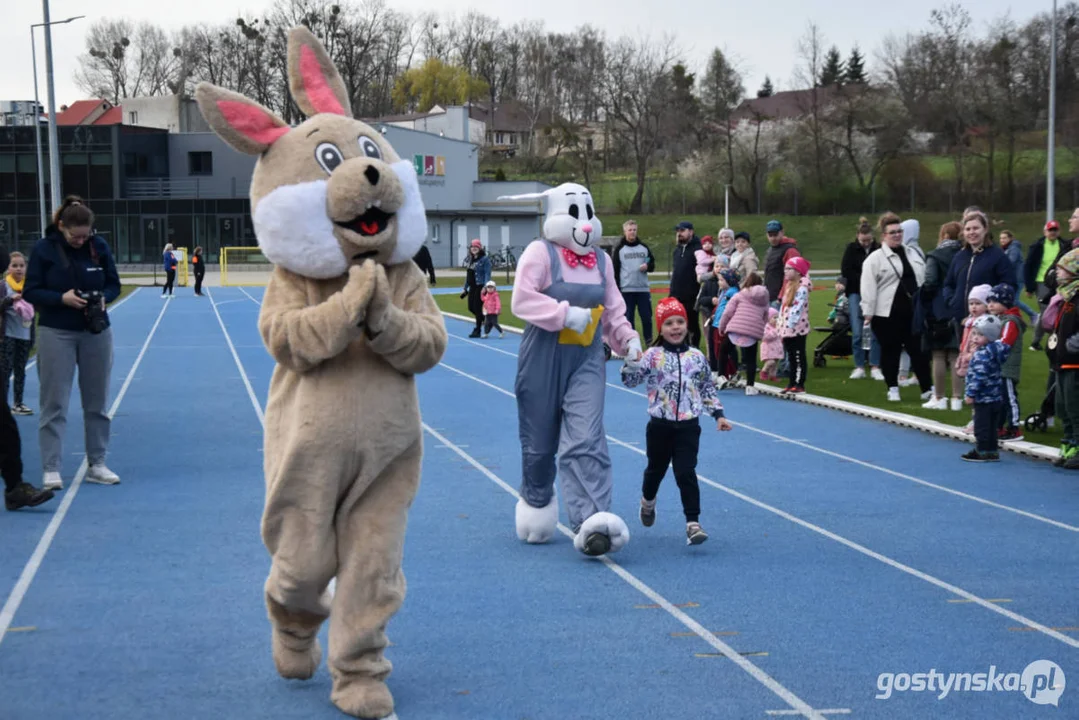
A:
x: 531, y: 305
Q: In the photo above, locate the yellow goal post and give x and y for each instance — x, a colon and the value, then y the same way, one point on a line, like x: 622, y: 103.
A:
x: 244, y: 266
x: 181, y: 266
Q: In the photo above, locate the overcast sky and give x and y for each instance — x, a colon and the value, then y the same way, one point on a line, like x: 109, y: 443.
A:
x: 760, y: 35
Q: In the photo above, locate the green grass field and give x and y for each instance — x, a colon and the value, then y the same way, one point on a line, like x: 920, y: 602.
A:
x: 833, y: 380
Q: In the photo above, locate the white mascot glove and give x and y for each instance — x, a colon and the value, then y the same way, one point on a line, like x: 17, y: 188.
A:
x: 633, y: 352
x: 577, y: 318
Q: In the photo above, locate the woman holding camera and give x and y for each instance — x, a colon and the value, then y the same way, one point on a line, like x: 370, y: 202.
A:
x: 71, y: 278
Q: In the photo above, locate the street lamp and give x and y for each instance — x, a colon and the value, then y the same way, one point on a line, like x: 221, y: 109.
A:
x: 1050, y: 182
x: 54, y: 160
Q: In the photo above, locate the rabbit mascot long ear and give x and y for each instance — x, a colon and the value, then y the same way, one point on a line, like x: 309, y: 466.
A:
x: 566, y: 293
x: 350, y: 321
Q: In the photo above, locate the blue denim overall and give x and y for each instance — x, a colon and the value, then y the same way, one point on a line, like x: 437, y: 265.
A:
x: 560, y: 394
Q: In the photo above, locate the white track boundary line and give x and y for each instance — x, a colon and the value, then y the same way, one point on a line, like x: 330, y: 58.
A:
x: 7, y: 614
x: 235, y: 356
x: 840, y: 456
x: 800, y: 707
x: 250, y: 297
x: 955, y: 590
x: 1035, y: 451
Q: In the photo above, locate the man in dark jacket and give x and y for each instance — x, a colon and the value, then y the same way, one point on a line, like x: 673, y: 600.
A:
x: 851, y: 269
x: 1041, y: 259
x: 684, y: 285
x: 633, y: 260
x: 782, y: 249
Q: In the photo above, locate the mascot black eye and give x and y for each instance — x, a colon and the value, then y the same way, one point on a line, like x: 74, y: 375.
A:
x: 588, y: 211
x: 574, y: 210
x: 328, y: 156
x: 370, y: 148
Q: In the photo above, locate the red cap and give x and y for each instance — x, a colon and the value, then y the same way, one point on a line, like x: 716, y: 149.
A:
x: 1052, y: 225
x: 707, y: 239
x: 669, y: 307
x: 477, y: 243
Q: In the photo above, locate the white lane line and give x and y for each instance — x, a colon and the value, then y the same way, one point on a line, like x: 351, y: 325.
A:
x: 840, y: 456
x: 7, y: 614
x: 250, y: 297
x: 955, y: 590
x: 799, y: 706
x: 803, y: 708
x: 236, y: 357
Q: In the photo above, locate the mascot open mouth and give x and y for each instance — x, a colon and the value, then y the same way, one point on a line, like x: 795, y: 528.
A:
x: 373, y: 221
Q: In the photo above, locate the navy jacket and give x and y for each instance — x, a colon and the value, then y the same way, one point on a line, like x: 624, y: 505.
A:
x: 47, y: 279
x: 989, y: 267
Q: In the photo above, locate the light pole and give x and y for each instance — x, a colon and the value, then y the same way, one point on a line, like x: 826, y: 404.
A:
x: 54, y: 161
x: 1050, y: 181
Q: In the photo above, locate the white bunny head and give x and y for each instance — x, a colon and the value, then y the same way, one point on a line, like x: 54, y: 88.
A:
x: 571, y: 217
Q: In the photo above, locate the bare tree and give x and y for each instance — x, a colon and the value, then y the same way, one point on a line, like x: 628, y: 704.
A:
x: 807, y: 74
x: 637, y: 93
x: 722, y: 90
x: 125, y: 60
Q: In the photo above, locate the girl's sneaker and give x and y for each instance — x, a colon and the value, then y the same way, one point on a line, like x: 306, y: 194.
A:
x: 695, y: 535
x: 21, y: 409
x: 936, y: 404
x: 956, y: 404
x: 648, y: 512
x: 501, y: 334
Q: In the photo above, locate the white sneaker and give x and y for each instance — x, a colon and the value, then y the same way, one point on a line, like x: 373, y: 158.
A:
x: 52, y: 481
x: 927, y: 395
x: 936, y: 404
x: 876, y: 374
x: 858, y: 373
x: 908, y: 381
x: 893, y: 394
x: 101, y: 475
x: 957, y: 404
x: 751, y: 390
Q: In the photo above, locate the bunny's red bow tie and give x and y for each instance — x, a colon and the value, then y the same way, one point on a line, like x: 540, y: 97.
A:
x: 572, y: 258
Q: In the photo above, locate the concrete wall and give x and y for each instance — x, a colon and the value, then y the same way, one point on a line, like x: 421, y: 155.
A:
x: 457, y: 161
x: 448, y: 237
x: 232, y: 169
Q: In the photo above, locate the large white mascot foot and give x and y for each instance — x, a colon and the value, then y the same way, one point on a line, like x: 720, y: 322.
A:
x: 537, y: 525
x: 600, y: 534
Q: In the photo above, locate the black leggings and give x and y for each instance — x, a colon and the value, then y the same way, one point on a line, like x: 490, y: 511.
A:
x: 894, y: 335
x: 795, y: 349
x: 198, y: 282
x: 170, y: 278
x: 13, y: 356
x: 668, y: 442
x: 749, y: 363
x: 491, y: 321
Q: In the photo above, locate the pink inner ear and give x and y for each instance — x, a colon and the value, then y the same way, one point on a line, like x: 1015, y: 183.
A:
x: 319, y: 94
x: 250, y: 121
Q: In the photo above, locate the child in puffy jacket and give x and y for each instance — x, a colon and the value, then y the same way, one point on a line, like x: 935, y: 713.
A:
x: 1001, y: 304
x: 680, y: 390
x: 984, y: 387
x: 743, y: 324
x: 492, y: 306
x: 977, y: 306
x: 706, y: 258
x: 16, y: 332
x: 794, y: 320
x: 771, y: 347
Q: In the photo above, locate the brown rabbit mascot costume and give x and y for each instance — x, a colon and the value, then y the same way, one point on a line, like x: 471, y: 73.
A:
x: 350, y: 321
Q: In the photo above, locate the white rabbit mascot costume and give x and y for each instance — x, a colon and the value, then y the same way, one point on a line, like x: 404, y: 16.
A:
x: 566, y: 293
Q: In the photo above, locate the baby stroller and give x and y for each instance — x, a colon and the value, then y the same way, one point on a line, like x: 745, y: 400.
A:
x: 1039, y: 421
x: 838, y: 344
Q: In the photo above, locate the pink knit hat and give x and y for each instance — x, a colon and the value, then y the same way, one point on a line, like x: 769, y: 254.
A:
x: 800, y: 264
x: 980, y: 293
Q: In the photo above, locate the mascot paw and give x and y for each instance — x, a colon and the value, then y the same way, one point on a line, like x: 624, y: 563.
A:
x: 362, y: 697
x: 295, y: 658
x: 537, y: 525
x: 600, y: 534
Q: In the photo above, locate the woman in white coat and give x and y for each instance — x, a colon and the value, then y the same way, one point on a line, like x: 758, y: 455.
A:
x: 890, y: 278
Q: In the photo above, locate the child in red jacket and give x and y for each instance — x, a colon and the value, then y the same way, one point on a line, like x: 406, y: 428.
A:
x: 492, y: 306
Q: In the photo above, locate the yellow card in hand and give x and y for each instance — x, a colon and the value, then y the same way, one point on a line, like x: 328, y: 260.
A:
x: 572, y: 337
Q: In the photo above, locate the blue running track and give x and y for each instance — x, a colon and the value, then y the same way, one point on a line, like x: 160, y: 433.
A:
x: 841, y: 549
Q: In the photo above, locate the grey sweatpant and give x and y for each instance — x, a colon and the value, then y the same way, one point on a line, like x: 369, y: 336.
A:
x: 58, y: 353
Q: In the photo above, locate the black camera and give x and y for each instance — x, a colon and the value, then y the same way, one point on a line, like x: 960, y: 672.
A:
x: 96, y: 320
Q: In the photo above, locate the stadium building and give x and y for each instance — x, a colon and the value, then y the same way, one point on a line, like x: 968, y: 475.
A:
x: 177, y: 182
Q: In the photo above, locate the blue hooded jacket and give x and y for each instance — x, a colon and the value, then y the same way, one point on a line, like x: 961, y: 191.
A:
x: 984, y: 380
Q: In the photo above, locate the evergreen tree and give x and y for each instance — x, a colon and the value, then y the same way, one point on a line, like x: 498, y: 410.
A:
x: 855, y: 67
x: 766, y: 89
x: 833, y: 72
